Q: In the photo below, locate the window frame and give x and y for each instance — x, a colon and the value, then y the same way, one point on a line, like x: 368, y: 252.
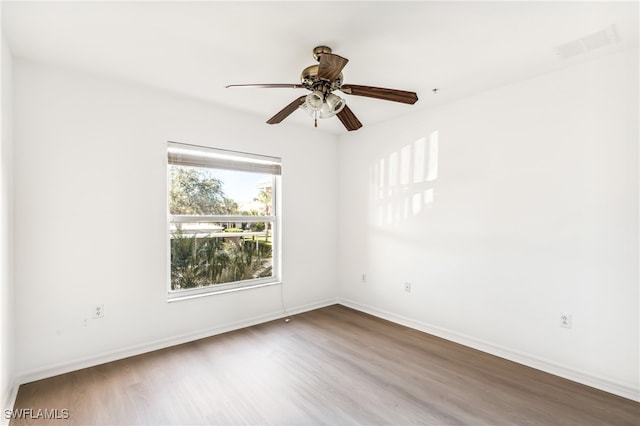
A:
x: 214, y: 158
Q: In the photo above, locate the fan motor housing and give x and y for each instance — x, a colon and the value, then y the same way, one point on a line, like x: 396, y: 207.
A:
x: 309, y: 78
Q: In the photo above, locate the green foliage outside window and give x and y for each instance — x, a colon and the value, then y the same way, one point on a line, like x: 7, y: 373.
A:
x: 193, y: 192
x: 197, y: 262
x: 199, y: 259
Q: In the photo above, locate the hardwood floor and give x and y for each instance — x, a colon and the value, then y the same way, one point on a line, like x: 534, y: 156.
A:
x: 331, y: 366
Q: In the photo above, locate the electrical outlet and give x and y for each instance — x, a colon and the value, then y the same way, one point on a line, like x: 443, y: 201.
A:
x: 565, y: 320
x: 407, y: 287
x: 98, y: 311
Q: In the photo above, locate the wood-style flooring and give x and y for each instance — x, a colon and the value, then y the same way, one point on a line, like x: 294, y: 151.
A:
x: 331, y: 366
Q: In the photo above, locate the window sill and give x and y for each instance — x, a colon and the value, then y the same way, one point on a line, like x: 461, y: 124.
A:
x: 177, y: 296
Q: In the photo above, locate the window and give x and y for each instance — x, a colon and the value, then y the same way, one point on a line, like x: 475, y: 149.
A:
x: 223, y: 223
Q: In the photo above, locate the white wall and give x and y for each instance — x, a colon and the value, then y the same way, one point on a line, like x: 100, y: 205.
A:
x: 533, y: 212
x: 90, y: 182
x: 6, y: 233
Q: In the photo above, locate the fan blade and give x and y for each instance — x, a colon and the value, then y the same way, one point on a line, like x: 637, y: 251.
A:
x: 348, y: 118
x: 331, y: 66
x: 265, y: 86
x: 380, y: 93
x: 286, y: 111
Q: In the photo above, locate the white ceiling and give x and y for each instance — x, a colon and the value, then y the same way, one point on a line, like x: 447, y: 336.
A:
x: 196, y: 48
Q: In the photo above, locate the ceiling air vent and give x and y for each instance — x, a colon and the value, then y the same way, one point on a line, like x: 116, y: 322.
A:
x: 602, y: 38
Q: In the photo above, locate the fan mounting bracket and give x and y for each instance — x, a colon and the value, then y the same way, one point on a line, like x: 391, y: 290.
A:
x: 319, y: 50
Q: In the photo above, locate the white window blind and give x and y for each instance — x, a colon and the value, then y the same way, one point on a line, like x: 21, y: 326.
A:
x: 195, y: 156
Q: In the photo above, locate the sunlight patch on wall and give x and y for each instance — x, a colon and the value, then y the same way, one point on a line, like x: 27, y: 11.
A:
x: 418, y: 160
x: 433, y: 157
x: 393, y: 172
x: 405, y: 165
x: 402, y: 182
x: 416, y: 205
x: 380, y: 171
x: 428, y: 196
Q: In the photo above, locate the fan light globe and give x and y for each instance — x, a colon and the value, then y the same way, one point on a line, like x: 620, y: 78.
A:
x: 314, y: 101
x: 326, y: 112
x: 335, y: 103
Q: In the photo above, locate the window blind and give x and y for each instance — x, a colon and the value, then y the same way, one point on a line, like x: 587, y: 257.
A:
x: 196, y: 156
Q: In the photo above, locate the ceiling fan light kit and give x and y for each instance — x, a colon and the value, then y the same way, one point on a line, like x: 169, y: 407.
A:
x: 321, y: 80
x: 314, y: 101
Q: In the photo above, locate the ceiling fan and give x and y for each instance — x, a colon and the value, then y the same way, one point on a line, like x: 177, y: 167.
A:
x: 322, y: 80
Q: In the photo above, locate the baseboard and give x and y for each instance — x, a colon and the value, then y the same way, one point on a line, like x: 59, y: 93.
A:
x: 547, y: 366
x: 80, y: 363
x: 8, y: 403
x: 604, y: 384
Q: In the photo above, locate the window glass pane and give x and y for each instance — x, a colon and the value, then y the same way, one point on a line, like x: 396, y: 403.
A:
x: 209, y: 253
x: 205, y: 191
